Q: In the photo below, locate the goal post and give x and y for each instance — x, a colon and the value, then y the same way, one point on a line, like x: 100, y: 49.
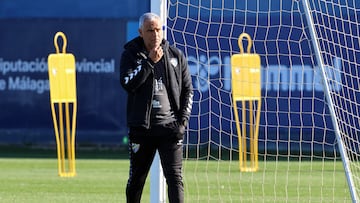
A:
x: 157, y: 180
x: 342, y: 148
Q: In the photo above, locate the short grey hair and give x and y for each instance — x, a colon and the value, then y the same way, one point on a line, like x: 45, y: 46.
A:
x: 147, y: 16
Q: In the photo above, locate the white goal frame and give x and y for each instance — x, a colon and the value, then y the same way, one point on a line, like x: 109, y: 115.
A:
x: 157, y: 179
x: 344, y: 157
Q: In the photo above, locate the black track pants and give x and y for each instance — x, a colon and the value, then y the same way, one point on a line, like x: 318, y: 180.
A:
x: 142, y: 151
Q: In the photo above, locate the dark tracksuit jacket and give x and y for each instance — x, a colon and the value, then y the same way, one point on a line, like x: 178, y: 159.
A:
x: 136, y: 77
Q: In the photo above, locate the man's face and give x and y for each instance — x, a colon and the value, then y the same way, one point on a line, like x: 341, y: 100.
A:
x: 151, y: 33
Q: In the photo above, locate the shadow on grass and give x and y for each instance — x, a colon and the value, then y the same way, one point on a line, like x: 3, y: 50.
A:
x: 16, y: 151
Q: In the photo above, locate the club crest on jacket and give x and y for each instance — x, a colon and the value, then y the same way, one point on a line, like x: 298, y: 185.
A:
x: 174, y: 62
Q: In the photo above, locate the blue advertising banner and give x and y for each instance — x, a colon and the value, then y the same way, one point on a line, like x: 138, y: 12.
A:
x: 24, y: 87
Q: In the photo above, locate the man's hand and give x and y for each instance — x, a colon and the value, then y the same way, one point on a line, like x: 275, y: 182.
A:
x: 180, y: 131
x: 156, y: 54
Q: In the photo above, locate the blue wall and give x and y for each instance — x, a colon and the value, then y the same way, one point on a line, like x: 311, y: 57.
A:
x: 73, y: 8
x: 96, y: 33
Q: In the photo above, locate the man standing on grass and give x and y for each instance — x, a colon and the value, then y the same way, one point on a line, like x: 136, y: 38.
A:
x: 156, y: 77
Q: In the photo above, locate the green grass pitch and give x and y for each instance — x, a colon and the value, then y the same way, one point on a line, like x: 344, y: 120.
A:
x: 104, y: 180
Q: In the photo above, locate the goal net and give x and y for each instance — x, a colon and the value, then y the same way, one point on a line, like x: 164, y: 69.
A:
x: 310, y: 95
